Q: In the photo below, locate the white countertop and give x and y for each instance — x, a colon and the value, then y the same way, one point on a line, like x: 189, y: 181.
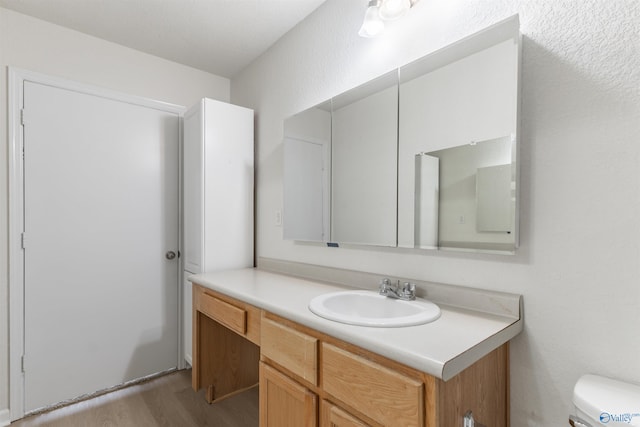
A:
x: 443, y: 348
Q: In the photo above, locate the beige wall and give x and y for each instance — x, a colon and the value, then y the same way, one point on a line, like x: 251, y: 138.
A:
x: 35, y: 45
x: 578, y: 266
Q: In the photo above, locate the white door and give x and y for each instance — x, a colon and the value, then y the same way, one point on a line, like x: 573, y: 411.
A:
x: 100, y: 215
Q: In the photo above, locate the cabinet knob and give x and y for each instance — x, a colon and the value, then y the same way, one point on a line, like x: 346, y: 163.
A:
x: 170, y: 255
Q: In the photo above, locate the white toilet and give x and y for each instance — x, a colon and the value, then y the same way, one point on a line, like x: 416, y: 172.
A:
x: 601, y: 401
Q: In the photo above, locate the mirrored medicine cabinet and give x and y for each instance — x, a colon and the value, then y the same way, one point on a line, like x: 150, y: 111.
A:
x: 423, y: 157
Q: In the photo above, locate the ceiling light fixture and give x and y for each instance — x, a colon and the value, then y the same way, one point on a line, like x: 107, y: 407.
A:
x: 379, y: 11
x: 372, y: 24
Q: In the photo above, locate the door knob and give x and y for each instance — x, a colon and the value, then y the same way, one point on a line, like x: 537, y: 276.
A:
x: 170, y: 255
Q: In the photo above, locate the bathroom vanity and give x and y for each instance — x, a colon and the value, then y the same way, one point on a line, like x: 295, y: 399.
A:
x: 254, y: 327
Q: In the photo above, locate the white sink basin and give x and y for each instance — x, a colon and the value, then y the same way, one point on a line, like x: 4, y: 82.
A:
x: 368, y: 308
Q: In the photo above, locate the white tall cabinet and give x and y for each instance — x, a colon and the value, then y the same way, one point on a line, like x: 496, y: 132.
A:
x: 218, y: 194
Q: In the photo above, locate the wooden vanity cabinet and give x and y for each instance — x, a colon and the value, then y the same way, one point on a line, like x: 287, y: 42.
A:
x: 309, y: 379
x: 358, y: 388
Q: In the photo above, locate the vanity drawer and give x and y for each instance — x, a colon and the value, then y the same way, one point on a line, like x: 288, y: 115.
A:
x: 333, y: 416
x: 385, y: 396
x: 293, y: 350
x: 234, y: 318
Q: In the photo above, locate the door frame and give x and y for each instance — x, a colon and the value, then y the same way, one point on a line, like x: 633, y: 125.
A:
x: 16, y: 79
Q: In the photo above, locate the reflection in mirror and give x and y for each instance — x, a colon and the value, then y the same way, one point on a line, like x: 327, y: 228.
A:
x: 364, y: 163
x: 307, y: 168
x: 466, y: 92
x: 427, y: 201
x: 476, y: 186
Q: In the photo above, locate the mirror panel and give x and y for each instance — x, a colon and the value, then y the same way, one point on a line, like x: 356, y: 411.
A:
x: 461, y: 94
x: 364, y: 163
x: 307, y: 175
x: 476, y: 201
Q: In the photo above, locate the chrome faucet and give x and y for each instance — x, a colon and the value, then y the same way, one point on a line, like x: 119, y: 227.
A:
x: 406, y: 291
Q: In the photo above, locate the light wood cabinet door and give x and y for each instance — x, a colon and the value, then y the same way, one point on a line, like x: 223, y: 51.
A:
x: 333, y: 416
x: 284, y: 402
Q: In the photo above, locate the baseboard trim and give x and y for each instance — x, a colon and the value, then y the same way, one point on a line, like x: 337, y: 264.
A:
x: 5, y: 417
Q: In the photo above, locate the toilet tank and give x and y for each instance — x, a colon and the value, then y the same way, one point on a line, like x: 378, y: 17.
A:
x: 603, y: 401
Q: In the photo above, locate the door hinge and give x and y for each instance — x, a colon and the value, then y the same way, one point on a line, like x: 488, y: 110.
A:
x: 22, y: 119
x: 22, y: 363
x: 23, y: 240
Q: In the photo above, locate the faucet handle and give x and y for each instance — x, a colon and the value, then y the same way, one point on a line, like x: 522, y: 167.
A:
x: 385, y: 284
x: 408, y: 287
x: 409, y: 290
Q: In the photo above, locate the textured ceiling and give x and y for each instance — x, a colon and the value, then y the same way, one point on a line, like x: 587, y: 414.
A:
x: 218, y: 36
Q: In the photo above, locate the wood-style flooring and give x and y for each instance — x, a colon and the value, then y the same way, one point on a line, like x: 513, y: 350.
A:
x: 167, y: 401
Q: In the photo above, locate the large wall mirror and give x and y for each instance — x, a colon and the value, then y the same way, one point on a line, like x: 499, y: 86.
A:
x: 424, y: 157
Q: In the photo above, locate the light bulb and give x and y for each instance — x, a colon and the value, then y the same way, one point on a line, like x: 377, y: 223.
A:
x: 372, y: 24
x: 394, y: 9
